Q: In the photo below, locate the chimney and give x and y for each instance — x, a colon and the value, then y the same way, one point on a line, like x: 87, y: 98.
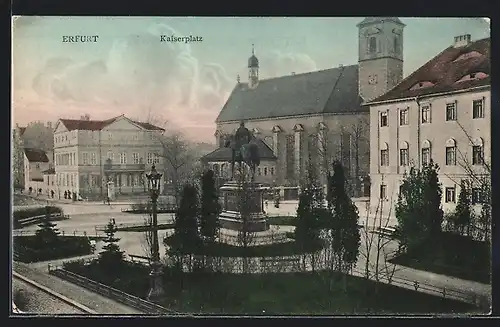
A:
x: 462, y: 41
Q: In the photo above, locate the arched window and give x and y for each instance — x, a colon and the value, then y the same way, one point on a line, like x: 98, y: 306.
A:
x: 216, y: 169
x: 372, y: 44
x: 396, y: 45
x: 403, y: 154
x: 451, y: 152
x: 384, y: 154
x: 426, y: 152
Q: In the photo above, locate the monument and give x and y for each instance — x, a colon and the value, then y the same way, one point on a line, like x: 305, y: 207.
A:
x: 245, y: 153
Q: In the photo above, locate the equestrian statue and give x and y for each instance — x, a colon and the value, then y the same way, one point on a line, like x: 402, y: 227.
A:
x: 243, y: 150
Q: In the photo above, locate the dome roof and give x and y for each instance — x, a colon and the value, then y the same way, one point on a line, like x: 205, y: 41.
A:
x: 253, y: 61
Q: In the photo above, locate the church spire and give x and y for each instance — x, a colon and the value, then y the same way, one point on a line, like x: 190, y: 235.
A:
x: 253, y: 69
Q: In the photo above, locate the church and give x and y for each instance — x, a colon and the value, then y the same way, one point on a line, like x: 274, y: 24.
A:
x: 318, y: 116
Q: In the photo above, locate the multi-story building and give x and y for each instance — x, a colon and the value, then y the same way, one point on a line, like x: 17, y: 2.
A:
x: 319, y: 114
x: 441, y: 112
x: 92, y: 154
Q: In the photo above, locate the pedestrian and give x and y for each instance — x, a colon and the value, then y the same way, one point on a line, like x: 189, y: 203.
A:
x: 114, y: 222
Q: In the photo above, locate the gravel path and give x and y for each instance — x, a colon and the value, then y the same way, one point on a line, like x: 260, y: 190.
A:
x: 79, y: 294
x: 38, y: 301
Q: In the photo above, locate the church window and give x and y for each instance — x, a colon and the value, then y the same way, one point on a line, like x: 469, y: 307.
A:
x: 372, y: 44
x: 265, y: 171
x: 290, y: 156
x: 396, y: 45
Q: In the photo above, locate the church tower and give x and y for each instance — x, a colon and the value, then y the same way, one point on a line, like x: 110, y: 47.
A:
x: 253, y: 70
x: 380, y: 58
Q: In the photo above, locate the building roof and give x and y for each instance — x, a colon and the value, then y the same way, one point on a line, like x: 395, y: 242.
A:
x: 97, y: 125
x: 443, y: 71
x: 224, y: 154
x: 36, y: 155
x: 50, y: 171
x: 326, y: 91
x: 374, y: 20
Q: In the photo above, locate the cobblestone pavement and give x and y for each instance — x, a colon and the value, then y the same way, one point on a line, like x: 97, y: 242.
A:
x: 40, y: 302
x: 79, y: 294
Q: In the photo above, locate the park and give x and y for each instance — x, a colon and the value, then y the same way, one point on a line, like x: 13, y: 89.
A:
x: 236, y: 256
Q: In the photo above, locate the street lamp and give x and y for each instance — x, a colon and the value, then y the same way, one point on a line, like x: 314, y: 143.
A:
x: 156, y: 287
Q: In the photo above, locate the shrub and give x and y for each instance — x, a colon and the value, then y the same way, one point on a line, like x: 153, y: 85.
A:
x: 32, y: 212
x: 20, y: 299
x: 30, y: 249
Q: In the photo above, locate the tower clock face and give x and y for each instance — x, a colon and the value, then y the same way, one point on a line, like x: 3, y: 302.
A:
x: 372, y: 79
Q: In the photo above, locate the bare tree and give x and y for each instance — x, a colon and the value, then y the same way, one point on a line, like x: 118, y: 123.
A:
x: 376, y: 236
x: 359, y: 132
x: 147, y: 237
x: 39, y: 136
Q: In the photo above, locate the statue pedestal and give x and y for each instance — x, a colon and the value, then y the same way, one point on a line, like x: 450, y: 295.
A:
x: 230, y: 217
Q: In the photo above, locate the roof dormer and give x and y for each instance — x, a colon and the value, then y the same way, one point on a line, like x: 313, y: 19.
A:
x: 468, y: 55
x: 473, y: 77
x: 422, y: 85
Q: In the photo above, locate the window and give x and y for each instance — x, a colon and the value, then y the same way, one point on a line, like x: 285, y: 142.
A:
x: 93, y: 159
x: 123, y: 158
x: 426, y: 156
x: 151, y: 136
x: 272, y: 170
x: 150, y: 158
x: 403, y: 157
x: 135, y: 157
x: 111, y: 156
x: 85, y: 158
x: 265, y: 171
x: 136, y: 180
x: 476, y: 195
x: 449, y: 194
x: 110, y: 136
x: 136, y: 136
x: 403, y: 117
x: 451, y: 156
x: 384, y: 121
x: 384, y: 157
x: 396, y: 45
x: 259, y: 171
x: 477, y: 155
x: 37, y: 166
x: 477, y: 109
x: 383, y: 192
x: 426, y: 114
x: 156, y: 158
x: 451, y: 111
x: 372, y: 44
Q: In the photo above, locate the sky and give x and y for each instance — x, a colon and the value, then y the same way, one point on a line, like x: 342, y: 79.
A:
x: 130, y: 71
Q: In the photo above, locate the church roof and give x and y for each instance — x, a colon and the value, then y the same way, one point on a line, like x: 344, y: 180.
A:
x: 374, y: 20
x: 446, y: 71
x: 326, y: 91
x: 36, y: 155
x: 224, y: 154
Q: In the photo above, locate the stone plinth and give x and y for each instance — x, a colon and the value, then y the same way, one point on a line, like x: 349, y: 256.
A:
x: 230, y: 217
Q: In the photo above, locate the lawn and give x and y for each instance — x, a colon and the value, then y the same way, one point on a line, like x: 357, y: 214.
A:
x: 282, y: 220
x: 29, y: 248
x: 274, y: 293
x: 452, y: 255
x: 268, y: 250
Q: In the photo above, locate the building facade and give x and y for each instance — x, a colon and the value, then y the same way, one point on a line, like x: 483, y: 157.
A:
x: 441, y: 112
x: 35, y: 163
x: 319, y: 115
x: 92, y: 156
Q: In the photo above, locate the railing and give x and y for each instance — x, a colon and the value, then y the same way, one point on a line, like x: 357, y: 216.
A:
x: 101, y: 228
x: 104, y: 290
x: 118, y: 167
x: 280, y: 237
x: 63, y: 233
x: 139, y: 259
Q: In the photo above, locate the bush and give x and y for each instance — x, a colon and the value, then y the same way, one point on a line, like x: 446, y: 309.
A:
x: 20, y: 299
x: 30, y: 249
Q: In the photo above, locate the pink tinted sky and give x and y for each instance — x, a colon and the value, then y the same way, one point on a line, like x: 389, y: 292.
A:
x: 129, y: 71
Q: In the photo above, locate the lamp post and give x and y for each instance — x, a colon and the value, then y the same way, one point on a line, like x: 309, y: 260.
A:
x: 156, y: 287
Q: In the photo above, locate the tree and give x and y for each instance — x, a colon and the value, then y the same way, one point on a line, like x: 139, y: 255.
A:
x: 186, y: 238
x: 111, y: 257
x: 418, y: 210
x: 462, y: 216
x: 309, y: 215
x: 47, y: 232
x: 343, y: 226
x: 209, y: 210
